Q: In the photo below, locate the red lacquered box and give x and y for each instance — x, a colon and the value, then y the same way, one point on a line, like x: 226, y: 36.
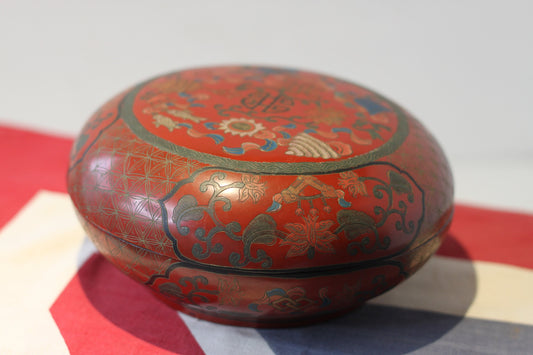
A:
x: 259, y: 196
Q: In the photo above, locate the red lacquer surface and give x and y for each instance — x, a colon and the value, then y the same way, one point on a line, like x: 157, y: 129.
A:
x: 260, y: 196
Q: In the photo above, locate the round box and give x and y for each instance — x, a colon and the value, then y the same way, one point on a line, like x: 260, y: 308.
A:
x: 259, y: 196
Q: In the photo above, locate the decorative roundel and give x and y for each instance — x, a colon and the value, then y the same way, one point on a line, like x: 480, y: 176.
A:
x: 265, y: 120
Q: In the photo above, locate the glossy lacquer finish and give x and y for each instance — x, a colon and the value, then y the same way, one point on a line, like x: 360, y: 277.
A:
x: 259, y: 196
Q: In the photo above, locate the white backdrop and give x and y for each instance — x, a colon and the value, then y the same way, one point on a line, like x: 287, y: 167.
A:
x: 464, y: 68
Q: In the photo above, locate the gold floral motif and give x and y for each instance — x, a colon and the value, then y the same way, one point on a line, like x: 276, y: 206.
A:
x: 310, y: 236
x: 353, y: 183
x: 252, y: 188
x: 161, y: 120
x: 186, y: 115
x: 241, y: 127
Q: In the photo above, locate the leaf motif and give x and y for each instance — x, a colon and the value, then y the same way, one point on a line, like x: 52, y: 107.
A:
x: 261, y: 230
x: 268, y: 239
x: 355, y: 223
x: 186, y: 210
x: 374, y: 134
x: 398, y: 183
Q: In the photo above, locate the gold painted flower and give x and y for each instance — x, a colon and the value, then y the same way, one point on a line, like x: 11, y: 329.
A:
x: 310, y: 237
x: 353, y: 183
x: 252, y: 188
x: 241, y: 126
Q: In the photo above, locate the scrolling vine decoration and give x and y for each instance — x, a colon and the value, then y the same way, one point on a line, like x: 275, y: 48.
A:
x: 189, y: 289
x: 367, y: 231
x: 261, y: 230
x: 356, y: 223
